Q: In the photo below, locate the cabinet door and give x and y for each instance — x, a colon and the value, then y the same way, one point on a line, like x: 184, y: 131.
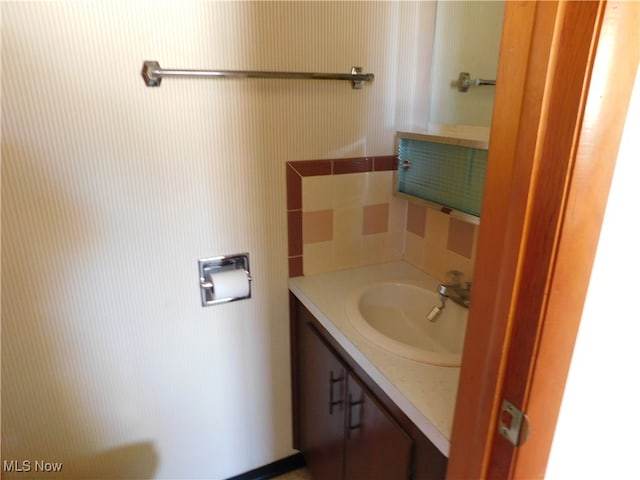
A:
x: 322, y: 385
x: 377, y: 448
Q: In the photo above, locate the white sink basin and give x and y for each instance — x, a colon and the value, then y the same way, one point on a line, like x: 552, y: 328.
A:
x: 393, y: 315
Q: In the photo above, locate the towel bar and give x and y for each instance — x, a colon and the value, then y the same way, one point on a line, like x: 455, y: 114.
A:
x: 152, y: 74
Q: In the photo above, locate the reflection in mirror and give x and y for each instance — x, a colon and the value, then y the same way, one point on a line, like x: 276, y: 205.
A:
x: 467, y: 39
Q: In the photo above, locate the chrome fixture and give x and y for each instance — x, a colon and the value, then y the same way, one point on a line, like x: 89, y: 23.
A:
x: 152, y: 74
x: 217, y: 286
x: 435, y: 312
x: 465, y: 81
x: 455, y: 290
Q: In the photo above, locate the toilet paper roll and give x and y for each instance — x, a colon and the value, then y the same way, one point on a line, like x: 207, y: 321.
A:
x: 230, y: 284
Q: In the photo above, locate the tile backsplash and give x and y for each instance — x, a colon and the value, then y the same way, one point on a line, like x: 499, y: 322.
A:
x: 342, y: 213
x: 436, y: 242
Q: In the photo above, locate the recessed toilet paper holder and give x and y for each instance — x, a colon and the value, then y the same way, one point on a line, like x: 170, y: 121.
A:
x: 215, y: 265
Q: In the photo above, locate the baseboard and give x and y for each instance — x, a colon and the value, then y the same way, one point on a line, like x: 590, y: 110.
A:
x: 279, y: 467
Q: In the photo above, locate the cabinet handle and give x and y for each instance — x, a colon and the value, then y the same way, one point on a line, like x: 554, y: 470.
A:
x: 350, y: 426
x: 333, y: 402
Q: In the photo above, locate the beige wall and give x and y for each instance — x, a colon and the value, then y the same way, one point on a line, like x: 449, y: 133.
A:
x: 111, y: 191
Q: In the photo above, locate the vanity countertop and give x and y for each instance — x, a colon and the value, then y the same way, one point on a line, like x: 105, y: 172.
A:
x: 425, y: 393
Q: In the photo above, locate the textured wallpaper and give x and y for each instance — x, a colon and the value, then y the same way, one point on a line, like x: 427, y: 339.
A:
x: 111, y: 192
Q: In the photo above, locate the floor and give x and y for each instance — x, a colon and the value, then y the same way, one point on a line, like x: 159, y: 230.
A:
x: 300, y: 474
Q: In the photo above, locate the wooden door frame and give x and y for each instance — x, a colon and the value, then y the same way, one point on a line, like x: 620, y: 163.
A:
x: 552, y: 152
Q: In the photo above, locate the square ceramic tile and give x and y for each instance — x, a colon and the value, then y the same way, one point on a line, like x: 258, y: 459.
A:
x: 397, y: 240
x: 348, y: 190
x: 294, y: 232
x: 416, y: 218
x: 380, y: 248
x: 460, y: 238
x: 317, y: 226
x: 317, y: 193
x: 294, y: 189
x: 378, y: 187
x: 397, y: 213
x: 295, y: 266
x: 434, y: 262
x: 309, y: 168
x: 437, y: 227
x: 348, y: 253
x: 375, y: 219
x: 387, y: 162
x: 342, y: 166
x: 318, y: 258
x: 414, y: 249
x: 347, y: 223
x: 348, y: 237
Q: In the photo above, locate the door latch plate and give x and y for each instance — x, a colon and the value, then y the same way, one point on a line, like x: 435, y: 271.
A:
x: 513, y: 424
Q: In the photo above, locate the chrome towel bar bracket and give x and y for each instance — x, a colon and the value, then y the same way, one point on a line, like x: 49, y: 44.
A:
x: 465, y: 81
x: 152, y: 74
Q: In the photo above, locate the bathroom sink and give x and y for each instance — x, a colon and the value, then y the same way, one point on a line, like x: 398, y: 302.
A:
x: 393, y: 315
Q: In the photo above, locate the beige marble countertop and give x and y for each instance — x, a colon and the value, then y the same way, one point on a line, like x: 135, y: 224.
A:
x: 425, y: 393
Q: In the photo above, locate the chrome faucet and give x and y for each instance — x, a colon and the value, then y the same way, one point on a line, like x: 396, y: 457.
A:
x: 455, y: 290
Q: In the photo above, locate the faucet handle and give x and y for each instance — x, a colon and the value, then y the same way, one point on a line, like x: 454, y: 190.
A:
x: 454, y: 277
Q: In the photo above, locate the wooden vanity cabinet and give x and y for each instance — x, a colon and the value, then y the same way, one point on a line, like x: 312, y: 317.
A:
x: 344, y: 425
x: 321, y: 407
x: 376, y: 447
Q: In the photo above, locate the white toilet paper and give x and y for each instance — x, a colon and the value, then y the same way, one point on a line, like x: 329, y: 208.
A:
x: 230, y: 284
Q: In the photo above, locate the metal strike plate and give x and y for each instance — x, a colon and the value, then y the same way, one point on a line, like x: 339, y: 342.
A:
x: 513, y: 424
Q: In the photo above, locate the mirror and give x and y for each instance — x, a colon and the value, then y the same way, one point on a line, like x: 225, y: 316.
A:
x: 467, y: 39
